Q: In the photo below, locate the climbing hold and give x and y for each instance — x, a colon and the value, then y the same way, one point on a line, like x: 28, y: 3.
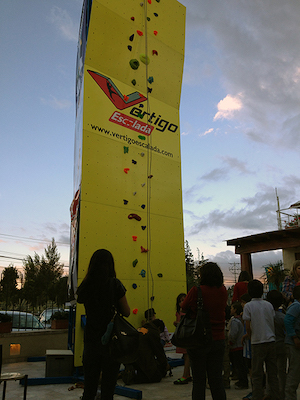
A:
x: 150, y: 79
x: 155, y: 33
x: 126, y: 98
x: 134, y: 285
x: 145, y: 59
x: 131, y: 37
x: 134, y: 216
x: 154, y: 53
x: 140, y: 115
x: 149, y: 90
x: 149, y: 1
x: 142, y: 273
x: 129, y: 48
x: 141, y: 105
x: 134, y: 238
x: 142, y: 154
x: 158, y: 1
x: 141, y: 4
x: 143, y: 227
x: 143, y: 250
x: 134, y: 162
x: 148, y: 18
x: 135, y: 311
x: 152, y: 298
x: 132, y: 18
x: 141, y: 137
x: 134, y: 193
x: 150, y: 176
x: 134, y: 63
x: 160, y: 275
x: 143, y: 184
x: 133, y: 82
x: 134, y: 262
x: 126, y: 170
x: 155, y: 14
x: 125, y: 201
x: 126, y: 149
x: 140, y: 33
x: 143, y: 206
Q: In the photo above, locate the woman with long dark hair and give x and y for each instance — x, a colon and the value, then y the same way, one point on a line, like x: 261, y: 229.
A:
x: 208, y: 361
x: 100, y: 291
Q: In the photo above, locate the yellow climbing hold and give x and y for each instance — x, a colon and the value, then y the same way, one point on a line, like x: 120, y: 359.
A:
x: 145, y: 59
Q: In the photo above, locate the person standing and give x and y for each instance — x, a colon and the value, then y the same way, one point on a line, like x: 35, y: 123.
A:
x: 209, y: 361
x: 291, y: 281
x: 241, y: 287
x: 100, y: 292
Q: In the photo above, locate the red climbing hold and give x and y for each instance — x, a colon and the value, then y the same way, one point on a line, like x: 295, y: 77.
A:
x: 149, y: 1
x: 154, y: 52
x: 140, y: 33
x: 134, y: 216
x: 126, y: 98
x: 155, y: 32
x: 132, y: 18
x: 134, y: 238
x: 143, y: 250
x: 135, y: 311
x: 150, y: 176
x: 126, y: 170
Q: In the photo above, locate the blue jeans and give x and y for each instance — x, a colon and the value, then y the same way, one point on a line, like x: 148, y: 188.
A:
x: 208, y: 361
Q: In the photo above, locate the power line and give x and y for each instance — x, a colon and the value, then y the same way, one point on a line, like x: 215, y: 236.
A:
x: 32, y: 239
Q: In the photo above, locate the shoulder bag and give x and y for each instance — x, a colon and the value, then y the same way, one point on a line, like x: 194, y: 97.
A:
x: 193, y: 333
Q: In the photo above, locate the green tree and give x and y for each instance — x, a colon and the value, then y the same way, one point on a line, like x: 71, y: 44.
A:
x: 189, y: 266
x: 8, y: 285
x: 41, y: 275
x: 275, y: 274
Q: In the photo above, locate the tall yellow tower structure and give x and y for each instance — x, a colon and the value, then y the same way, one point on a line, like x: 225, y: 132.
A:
x: 127, y: 179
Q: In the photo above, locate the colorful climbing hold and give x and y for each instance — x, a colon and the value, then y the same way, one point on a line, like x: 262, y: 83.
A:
x: 149, y: 90
x: 141, y: 137
x: 135, y: 311
x: 143, y: 250
x: 154, y: 53
x: 160, y: 275
x: 134, y: 63
x: 140, y: 115
x: 142, y: 273
x: 140, y: 33
x: 143, y: 227
x: 126, y: 98
x: 132, y: 18
x: 134, y: 238
x: 131, y: 37
x: 142, y: 154
x: 152, y: 298
x: 149, y: 1
x: 134, y: 193
x: 145, y: 59
x: 134, y: 262
x: 134, y: 285
x: 155, y: 14
x: 133, y: 82
x: 148, y: 18
x: 125, y: 201
x: 155, y: 33
x: 150, y: 176
x: 134, y: 216
x: 134, y: 162
x: 126, y: 149
x: 129, y: 48
x: 126, y: 170
x: 143, y: 206
x: 143, y: 184
x: 150, y: 79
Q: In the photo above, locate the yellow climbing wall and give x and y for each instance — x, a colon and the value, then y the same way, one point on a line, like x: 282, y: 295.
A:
x: 128, y: 152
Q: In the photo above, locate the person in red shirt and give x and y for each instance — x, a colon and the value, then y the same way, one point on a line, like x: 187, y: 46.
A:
x: 241, y: 287
x: 209, y: 361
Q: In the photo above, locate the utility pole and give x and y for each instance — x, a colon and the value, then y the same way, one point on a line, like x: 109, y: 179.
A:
x: 235, y: 269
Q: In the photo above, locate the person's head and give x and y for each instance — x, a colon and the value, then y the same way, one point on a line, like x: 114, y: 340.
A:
x: 245, y: 298
x: 236, y: 309
x: 244, y: 276
x: 255, y: 289
x: 150, y: 314
x: 179, y: 300
x: 295, y: 270
x: 296, y: 293
x: 275, y: 298
x: 159, y: 324
x: 211, y: 275
x: 101, y: 267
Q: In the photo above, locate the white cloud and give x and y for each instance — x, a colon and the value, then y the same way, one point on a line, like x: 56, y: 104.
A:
x: 63, y: 22
x: 228, y: 107
x: 58, y: 104
x: 207, y: 132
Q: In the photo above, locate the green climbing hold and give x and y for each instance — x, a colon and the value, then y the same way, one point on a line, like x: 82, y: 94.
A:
x: 140, y: 115
x: 134, y: 262
x: 134, y: 63
x: 145, y: 59
x: 133, y: 82
x: 126, y: 149
x: 141, y: 137
x: 150, y: 79
x: 160, y: 275
x: 148, y: 18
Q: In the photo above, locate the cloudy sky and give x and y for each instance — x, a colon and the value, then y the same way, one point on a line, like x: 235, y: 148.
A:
x: 239, y: 123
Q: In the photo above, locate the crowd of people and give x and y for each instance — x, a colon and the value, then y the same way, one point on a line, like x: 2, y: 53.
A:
x: 255, y: 339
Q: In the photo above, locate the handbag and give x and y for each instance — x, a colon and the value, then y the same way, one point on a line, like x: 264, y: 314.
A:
x: 191, y: 333
x: 122, y: 339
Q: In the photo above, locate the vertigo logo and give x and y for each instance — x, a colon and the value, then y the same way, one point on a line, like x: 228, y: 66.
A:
x: 131, y: 123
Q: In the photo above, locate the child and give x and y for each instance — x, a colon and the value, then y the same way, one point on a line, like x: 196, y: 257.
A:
x: 276, y: 299
x: 186, y: 378
x: 150, y: 316
x: 292, y: 340
x: 235, y: 336
x: 245, y: 298
x: 259, y: 316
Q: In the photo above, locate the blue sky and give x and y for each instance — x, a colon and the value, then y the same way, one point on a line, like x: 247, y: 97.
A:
x: 239, y: 123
